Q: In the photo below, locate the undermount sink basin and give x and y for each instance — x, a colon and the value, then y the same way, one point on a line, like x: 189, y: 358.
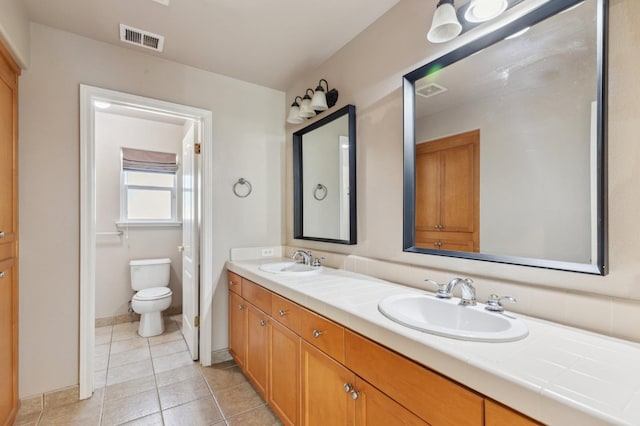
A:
x: 445, y: 317
x: 290, y: 268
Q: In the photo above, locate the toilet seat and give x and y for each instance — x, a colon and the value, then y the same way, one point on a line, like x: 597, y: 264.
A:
x: 153, y: 293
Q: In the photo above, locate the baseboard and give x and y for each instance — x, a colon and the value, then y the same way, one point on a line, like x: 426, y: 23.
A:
x: 219, y: 356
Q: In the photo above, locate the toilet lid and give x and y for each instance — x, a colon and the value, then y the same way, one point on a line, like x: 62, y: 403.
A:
x: 153, y: 293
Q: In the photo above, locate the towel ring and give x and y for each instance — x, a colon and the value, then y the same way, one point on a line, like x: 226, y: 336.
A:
x: 323, y: 195
x: 243, y: 182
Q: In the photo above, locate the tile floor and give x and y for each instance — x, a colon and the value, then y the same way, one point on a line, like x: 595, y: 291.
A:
x: 152, y: 381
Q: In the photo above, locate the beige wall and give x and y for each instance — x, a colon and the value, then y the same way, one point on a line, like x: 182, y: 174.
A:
x: 113, y: 253
x: 14, y: 30
x: 368, y: 73
x: 248, y: 140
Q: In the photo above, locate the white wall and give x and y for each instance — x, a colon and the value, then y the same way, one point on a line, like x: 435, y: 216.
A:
x: 14, y: 30
x: 321, y: 158
x: 526, y: 176
x: 368, y: 73
x: 248, y: 139
x: 113, y: 253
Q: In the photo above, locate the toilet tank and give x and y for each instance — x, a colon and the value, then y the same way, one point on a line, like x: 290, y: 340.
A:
x: 147, y: 273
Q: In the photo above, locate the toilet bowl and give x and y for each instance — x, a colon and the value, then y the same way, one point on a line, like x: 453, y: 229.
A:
x: 150, y: 281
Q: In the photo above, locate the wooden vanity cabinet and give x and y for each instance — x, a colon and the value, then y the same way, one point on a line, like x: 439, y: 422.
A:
x: 431, y: 396
x: 324, y: 398
x: 313, y: 371
x: 234, y: 283
x: 284, y: 373
x: 374, y: 408
x: 237, y: 328
x: 257, y: 357
x: 499, y: 415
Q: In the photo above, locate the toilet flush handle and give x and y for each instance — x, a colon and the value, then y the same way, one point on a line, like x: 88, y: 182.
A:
x: 180, y: 249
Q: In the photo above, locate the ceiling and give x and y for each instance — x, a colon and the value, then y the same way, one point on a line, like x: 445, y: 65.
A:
x: 270, y: 43
x: 559, y: 49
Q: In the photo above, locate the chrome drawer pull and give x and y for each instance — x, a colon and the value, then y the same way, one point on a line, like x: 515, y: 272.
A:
x: 317, y: 333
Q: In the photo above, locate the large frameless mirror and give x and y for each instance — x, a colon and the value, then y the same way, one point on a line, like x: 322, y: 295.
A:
x: 324, y: 169
x: 504, y: 144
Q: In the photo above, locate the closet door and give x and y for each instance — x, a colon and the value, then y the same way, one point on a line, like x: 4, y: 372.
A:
x: 8, y: 238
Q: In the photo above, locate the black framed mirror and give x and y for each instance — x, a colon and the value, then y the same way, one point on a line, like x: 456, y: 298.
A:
x: 324, y: 179
x: 505, y: 144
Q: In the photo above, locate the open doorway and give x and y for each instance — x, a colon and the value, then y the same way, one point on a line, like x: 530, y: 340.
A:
x: 111, y: 121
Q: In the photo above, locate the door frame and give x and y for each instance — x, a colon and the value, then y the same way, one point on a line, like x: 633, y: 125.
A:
x: 88, y: 95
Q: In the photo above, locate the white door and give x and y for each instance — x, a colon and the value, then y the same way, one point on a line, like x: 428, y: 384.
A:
x: 190, y: 240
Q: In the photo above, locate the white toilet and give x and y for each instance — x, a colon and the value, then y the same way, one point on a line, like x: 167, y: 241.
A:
x: 150, y: 281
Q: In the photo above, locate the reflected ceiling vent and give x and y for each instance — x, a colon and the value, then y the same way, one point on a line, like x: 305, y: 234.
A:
x: 430, y: 89
x: 141, y: 38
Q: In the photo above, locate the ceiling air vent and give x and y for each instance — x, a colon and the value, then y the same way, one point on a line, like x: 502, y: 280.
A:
x: 430, y: 89
x: 141, y: 38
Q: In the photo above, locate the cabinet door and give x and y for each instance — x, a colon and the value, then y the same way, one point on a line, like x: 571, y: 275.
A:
x: 373, y: 408
x: 499, y: 415
x: 284, y: 373
x: 256, y: 359
x: 458, y: 189
x: 237, y: 328
x: 325, y: 400
x: 427, y: 191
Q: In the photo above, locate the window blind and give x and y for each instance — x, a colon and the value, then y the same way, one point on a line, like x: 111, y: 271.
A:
x: 149, y: 161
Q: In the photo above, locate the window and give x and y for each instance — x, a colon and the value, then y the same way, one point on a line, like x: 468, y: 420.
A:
x: 149, y: 186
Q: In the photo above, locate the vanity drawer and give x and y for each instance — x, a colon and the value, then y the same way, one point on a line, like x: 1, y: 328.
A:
x: 258, y: 295
x: 323, y: 334
x: 434, y: 398
x: 6, y: 251
x: 286, y: 312
x: 234, y: 282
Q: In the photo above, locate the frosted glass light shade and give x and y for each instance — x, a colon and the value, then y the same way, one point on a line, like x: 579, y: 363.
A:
x: 319, y: 100
x: 294, y: 115
x: 484, y: 10
x: 305, y: 108
x: 445, y: 25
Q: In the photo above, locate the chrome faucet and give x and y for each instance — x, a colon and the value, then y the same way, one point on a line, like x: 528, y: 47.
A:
x: 468, y: 296
x: 445, y: 291
x: 306, y: 256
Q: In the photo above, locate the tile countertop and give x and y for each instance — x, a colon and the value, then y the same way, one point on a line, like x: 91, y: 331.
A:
x: 558, y: 375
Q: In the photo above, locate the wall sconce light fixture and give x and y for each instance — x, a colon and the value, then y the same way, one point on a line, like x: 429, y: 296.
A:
x: 448, y: 22
x: 445, y: 25
x: 310, y: 106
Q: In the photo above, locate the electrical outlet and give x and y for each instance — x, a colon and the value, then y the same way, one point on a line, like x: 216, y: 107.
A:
x: 267, y: 252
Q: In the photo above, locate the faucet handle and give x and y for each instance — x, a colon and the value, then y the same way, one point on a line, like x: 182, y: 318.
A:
x: 494, y: 304
x: 442, y: 292
x: 316, y: 262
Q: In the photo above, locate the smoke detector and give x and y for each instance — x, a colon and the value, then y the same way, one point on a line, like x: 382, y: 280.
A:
x: 430, y: 89
x: 141, y: 38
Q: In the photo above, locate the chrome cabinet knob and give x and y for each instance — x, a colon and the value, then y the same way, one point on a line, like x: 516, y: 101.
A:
x: 241, y: 307
x: 317, y: 333
x: 1, y: 274
x: 282, y: 312
x: 232, y: 283
x: 348, y: 387
x: 355, y: 394
x: 1, y: 234
x: 263, y: 323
